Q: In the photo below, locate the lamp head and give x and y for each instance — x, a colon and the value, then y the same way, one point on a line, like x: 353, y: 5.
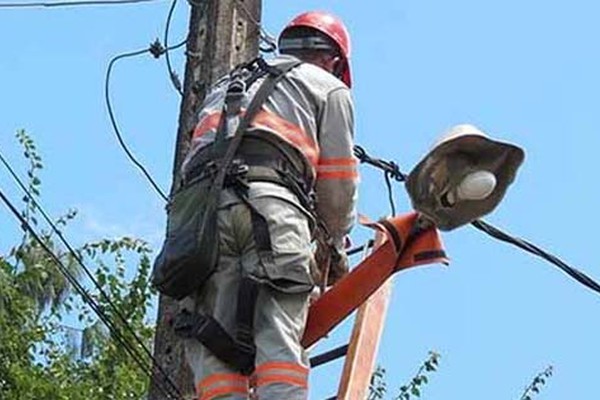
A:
x: 463, y: 178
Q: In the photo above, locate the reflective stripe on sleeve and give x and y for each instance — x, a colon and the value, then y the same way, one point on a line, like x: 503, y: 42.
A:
x: 337, y: 168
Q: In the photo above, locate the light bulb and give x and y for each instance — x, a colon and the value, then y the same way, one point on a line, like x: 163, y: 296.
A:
x: 476, y: 186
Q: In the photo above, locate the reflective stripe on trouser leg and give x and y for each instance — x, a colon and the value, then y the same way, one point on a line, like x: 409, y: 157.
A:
x: 223, y: 386
x: 282, y: 363
x: 282, y: 304
x: 215, y: 379
x: 278, y: 379
x: 279, y: 316
x: 218, y: 298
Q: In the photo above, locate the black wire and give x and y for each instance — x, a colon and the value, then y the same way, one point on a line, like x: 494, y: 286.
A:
x: 388, y: 183
x: 117, y: 334
x: 387, y: 166
x: 172, y: 74
x: 131, y: 157
x: 535, y: 250
x: 266, y: 37
x: 89, y: 274
x: 73, y: 3
x: 370, y: 243
x: 391, y: 170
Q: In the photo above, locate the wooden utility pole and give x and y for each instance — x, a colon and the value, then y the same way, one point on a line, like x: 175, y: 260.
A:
x: 222, y: 33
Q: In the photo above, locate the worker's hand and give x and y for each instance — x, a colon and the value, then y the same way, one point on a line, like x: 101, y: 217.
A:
x: 338, y: 267
x: 332, y: 261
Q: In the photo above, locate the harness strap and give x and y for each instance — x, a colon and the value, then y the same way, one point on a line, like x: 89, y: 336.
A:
x: 214, y: 337
x: 247, y: 296
x: 260, y: 225
x: 240, y: 352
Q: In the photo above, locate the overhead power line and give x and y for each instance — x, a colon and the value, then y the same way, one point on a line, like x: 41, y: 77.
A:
x: 268, y: 39
x: 156, y: 49
x: 392, y: 170
x: 535, y: 250
x: 172, y: 74
x: 116, y: 332
x: 74, y: 3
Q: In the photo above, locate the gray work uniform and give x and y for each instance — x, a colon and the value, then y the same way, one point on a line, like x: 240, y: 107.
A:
x: 312, y: 111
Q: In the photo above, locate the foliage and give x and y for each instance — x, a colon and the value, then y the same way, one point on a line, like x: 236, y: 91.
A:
x: 378, y: 386
x: 413, y: 388
x: 52, y: 346
x: 537, y: 383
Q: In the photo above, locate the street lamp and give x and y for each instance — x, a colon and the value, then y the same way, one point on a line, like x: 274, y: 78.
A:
x: 463, y: 178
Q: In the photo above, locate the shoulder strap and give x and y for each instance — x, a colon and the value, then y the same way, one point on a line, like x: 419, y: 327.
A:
x: 275, y: 74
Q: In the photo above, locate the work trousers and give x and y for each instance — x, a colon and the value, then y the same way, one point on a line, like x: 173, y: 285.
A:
x: 281, y: 308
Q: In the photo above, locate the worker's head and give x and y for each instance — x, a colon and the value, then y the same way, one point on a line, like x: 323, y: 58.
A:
x: 319, y: 38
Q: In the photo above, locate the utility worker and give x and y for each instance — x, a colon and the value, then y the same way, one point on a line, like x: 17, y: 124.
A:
x: 296, y: 176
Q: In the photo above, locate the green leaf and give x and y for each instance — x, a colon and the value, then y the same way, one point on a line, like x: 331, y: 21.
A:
x: 429, y: 366
x: 415, y: 391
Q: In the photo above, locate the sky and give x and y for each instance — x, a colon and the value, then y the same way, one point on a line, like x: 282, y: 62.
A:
x: 524, y: 72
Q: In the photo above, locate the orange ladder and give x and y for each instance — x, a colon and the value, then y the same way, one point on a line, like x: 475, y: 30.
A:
x: 400, y: 244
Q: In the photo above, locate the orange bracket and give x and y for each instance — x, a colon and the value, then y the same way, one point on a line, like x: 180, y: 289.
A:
x: 405, y: 247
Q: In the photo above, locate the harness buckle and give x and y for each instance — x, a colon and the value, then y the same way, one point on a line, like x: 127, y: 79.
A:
x: 235, y: 93
x: 188, y: 325
x: 200, y: 172
x: 238, y: 168
x: 237, y: 174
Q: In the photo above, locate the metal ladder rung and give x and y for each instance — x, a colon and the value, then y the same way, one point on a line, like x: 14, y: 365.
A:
x: 328, y: 356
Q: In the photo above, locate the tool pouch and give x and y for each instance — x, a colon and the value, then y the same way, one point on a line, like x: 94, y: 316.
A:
x: 191, y: 248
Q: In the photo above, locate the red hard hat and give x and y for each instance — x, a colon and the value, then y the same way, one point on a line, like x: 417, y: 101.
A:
x: 331, y: 26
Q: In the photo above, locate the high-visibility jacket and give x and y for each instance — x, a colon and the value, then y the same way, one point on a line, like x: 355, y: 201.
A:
x: 311, y: 110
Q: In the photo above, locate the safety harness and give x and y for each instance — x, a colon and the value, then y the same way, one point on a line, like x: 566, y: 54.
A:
x: 233, y: 163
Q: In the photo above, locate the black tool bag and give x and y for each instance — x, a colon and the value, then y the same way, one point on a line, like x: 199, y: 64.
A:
x: 191, y: 248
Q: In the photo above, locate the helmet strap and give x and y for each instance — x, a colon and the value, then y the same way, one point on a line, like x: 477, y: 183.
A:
x: 339, y: 67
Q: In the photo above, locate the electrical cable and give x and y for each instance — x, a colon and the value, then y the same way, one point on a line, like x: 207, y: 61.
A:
x: 89, y: 274
x: 387, y: 166
x: 156, y: 49
x: 25, y: 226
x: 388, y: 183
x: 535, y: 250
x: 358, y: 249
x: 390, y: 168
x: 74, y: 3
x: 265, y: 36
x: 172, y: 74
